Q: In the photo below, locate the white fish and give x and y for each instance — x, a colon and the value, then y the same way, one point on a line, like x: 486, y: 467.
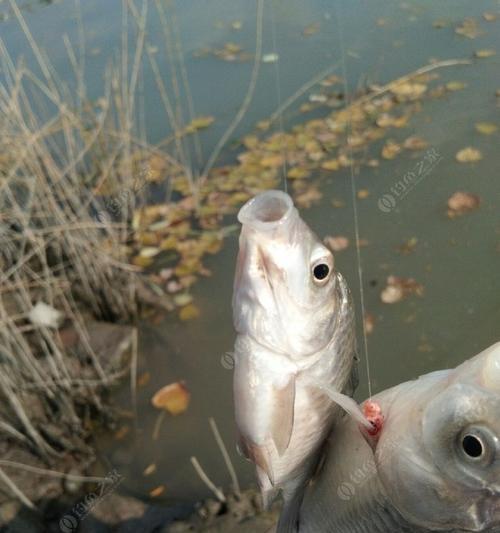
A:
x: 435, y: 465
x: 295, y: 347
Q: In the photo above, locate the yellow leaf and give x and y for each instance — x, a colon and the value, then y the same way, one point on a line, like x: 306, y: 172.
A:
x: 298, y: 173
x: 331, y: 164
x: 486, y: 128
x: 150, y: 469
x: 455, y: 85
x: 485, y: 52
x: 390, y: 150
x: 469, y: 155
x: 158, y: 491
x: 174, y: 398
x: 272, y: 161
x: 142, y: 261
x: 199, y: 123
x: 189, y: 312
x: 149, y: 251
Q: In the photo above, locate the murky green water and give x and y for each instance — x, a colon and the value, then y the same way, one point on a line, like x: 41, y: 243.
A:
x: 457, y: 261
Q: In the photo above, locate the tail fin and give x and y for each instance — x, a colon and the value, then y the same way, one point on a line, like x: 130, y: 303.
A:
x: 289, y: 518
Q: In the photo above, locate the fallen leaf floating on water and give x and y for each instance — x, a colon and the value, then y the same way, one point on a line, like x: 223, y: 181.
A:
x: 469, y: 155
x: 298, y: 173
x: 489, y: 17
x: 150, y: 469
x: 174, y: 398
x: 469, y: 28
x: 270, y: 58
x: 486, y: 128
x: 440, y: 24
x: 158, y: 491
x: 415, y: 143
x: 455, y: 85
x: 143, y: 379
x: 461, y: 203
x: 305, y: 199
x: 486, y: 52
x: 399, y: 288
x: 363, y: 194
x: 386, y: 120
x: 336, y: 244
x: 390, y: 150
x: 369, y: 323
x: 409, y: 246
x: 122, y: 433
x: 311, y: 29
x: 199, y: 123
x: 408, y: 90
x: 189, y: 312
x: 45, y: 316
x: 331, y: 165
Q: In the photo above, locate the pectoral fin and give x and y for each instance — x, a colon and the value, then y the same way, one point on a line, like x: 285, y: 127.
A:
x: 283, y: 413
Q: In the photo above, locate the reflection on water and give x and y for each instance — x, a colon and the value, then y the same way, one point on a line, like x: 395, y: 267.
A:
x: 455, y: 260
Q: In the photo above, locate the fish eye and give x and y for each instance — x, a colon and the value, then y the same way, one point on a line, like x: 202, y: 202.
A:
x: 473, y: 446
x: 478, y: 444
x: 321, y: 271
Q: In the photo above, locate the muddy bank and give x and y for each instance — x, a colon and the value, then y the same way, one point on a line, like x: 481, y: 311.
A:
x: 124, y: 514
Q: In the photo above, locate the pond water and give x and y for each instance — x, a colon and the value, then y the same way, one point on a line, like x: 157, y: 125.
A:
x: 457, y: 261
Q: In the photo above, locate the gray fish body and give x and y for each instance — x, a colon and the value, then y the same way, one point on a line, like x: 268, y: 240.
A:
x: 419, y: 477
x: 294, y: 332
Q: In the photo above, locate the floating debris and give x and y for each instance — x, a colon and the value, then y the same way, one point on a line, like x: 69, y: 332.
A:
x: 236, y: 25
x: 189, y: 312
x: 369, y: 323
x: 468, y: 155
x: 461, y: 203
x: 391, y: 149
x: 408, y: 90
x: 158, y: 491
x: 336, y: 244
x: 330, y: 164
x: 150, y: 469
x: 440, y: 23
x: 270, y: 58
x: 469, y: 28
x: 455, y: 85
x: 199, y: 123
x: 485, y: 52
x: 409, y: 246
x: 415, y: 143
x: 489, y: 17
x: 399, y: 288
x: 311, y: 29
x: 363, y: 194
x: 173, y: 398
x: 143, y: 379
x: 486, y: 128
x: 230, y: 52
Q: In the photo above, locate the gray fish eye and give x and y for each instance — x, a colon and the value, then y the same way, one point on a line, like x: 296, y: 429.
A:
x: 473, y: 446
x: 321, y: 271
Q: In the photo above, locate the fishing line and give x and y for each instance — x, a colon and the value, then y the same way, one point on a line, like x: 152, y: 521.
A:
x: 278, y: 96
x: 354, y: 197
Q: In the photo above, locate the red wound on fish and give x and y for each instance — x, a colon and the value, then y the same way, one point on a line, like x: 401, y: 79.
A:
x: 373, y: 413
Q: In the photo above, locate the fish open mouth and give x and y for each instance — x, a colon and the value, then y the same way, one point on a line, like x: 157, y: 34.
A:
x: 267, y: 210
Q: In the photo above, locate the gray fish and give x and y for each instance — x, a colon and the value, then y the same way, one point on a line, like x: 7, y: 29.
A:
x: 434, y: 466
x: 295, y: 348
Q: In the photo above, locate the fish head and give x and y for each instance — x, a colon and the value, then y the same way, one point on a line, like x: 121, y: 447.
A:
x: 285, y: 284
x: 444, y: 469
